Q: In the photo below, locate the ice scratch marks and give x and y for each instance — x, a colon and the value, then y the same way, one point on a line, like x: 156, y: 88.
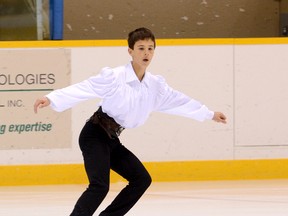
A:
x: 110, y: 16
x: 242, y: 10
x: 69, y: 26
x: 204, y: 2
x: 185, y: 18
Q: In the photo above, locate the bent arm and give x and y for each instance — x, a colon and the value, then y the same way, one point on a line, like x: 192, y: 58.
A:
x: 99, y: 86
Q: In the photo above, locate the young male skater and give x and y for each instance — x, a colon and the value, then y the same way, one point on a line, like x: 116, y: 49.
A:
x: 129, y: 94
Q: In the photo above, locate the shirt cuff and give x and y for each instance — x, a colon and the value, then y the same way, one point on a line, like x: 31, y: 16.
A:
x: 210, y: 115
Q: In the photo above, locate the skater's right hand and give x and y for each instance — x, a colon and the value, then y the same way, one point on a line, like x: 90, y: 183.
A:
x: 40, y: 103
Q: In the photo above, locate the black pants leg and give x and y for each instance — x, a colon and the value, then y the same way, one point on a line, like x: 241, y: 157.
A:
x: 128, y: 166
x: 100, y: 154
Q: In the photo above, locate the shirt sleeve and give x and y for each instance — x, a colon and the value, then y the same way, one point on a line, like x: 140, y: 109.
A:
x: 174, y: 102
x: 99, y: 86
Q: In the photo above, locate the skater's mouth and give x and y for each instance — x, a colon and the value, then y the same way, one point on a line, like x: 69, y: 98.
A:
x: 145, y: 60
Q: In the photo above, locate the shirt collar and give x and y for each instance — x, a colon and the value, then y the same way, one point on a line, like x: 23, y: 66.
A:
x: 131, y: 75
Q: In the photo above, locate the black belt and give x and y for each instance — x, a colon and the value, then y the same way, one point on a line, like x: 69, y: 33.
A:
x: 112, y: 128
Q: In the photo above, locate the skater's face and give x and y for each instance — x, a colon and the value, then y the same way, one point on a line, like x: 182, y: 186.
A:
x: 143, y: 52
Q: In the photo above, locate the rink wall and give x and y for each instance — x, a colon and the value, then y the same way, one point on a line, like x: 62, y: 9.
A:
x: 244, y: 78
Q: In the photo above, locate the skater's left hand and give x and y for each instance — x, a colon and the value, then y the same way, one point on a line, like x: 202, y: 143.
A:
x: 219, y: 117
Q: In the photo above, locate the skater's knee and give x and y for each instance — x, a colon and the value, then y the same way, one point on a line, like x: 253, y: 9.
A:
x: 99, y: 189
x: 147, y: 180
x: 144, y: 180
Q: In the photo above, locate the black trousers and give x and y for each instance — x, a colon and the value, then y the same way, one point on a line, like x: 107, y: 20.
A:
x: 101, y: 154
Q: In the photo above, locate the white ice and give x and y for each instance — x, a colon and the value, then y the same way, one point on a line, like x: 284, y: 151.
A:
x: 211, y: 198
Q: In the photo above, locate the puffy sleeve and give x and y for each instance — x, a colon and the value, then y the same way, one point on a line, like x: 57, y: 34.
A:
x: 174, y: 102
x: 99, y: 86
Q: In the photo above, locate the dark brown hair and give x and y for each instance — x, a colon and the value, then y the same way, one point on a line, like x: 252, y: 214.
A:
x: 140, y: 34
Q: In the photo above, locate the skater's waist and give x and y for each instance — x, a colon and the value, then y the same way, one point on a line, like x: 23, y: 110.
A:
x: 112, y: 128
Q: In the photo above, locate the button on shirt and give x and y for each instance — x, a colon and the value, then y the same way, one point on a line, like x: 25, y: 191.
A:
x: 128, y: 100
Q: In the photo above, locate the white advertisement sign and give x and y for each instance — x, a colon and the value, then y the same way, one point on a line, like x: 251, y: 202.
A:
x: 24, y: 76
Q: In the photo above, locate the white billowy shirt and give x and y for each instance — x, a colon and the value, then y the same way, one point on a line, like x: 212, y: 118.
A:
x: 128, y: 100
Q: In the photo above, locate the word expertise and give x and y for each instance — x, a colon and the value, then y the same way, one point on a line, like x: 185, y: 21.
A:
x: 24, y: 128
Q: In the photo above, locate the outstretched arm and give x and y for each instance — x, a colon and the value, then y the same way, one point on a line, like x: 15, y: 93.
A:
x: 219, y: 117
x: 40, y: 103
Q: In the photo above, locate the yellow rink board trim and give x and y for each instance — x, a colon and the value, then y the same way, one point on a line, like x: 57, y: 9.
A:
x: 160, y: 171
x: 159, y: 42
